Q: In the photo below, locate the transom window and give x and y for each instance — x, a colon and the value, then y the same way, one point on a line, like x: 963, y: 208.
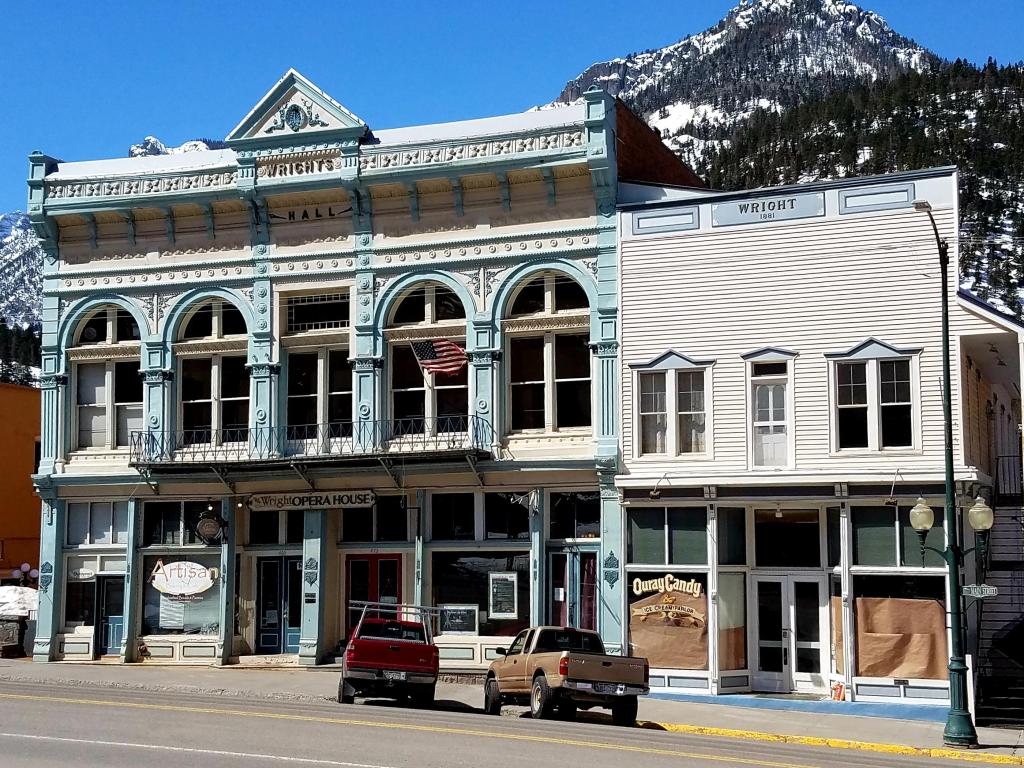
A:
x: 427, y: 304
x: 549, y: 294
x: 318, y: 312
x: 874, y: 404
x: 108, y: 325
x: 97, y: 522
x: 676, y: 425
x: 214, y: 319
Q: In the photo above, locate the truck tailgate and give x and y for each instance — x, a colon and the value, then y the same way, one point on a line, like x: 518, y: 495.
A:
x: 606, y: 669
x: 372, y: 653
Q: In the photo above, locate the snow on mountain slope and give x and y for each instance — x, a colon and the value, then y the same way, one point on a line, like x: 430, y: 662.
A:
x: 21, y: 261
x: 151, y: 145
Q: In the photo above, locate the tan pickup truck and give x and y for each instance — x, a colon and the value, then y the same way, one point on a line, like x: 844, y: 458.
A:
x: 564, y: 669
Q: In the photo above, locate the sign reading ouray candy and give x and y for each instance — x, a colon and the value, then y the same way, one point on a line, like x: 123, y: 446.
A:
x: 759, y: 211
x: 667, y: 583
x: 316, y: 500
x: 182, y: 578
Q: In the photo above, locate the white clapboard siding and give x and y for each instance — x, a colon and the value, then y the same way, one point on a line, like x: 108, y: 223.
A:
x: 811, y: 287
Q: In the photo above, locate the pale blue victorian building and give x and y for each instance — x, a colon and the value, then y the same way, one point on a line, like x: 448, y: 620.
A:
x: 328, y: 364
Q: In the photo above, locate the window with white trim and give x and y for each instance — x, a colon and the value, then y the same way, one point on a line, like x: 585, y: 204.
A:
x: 319, y: 393
x: 874, y: 405
x: 214, y: 399
x: 769, y: 384
x: 108, y: 403
x: 548, y: 356
x: 672, y: 409
x: 107, y: 325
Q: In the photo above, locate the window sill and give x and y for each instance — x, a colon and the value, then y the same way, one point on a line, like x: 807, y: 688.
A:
x: 540, y: 434
x: 660, y: 458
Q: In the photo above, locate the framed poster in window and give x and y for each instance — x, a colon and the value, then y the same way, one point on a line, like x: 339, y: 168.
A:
x: 503, y: 595
x: 459, y: 620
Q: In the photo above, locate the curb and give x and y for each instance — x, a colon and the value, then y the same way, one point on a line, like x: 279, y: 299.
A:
x: 944, y: 753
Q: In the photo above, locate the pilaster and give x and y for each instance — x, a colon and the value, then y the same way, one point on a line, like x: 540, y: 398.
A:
x: 612, y: 602
x: 52, y: 426
x: 133, y: 585
x: 51, y: 579
x: 482, y: 376
x: 538, y: 556
x: 421, y: 507
x: 313, y: 589
x: 226, y: 638
x: 263, y: 417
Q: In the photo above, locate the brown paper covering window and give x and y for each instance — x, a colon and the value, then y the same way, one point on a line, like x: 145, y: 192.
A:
x: 670, y: 629
x: 901, y: 637
x: 837, y: 633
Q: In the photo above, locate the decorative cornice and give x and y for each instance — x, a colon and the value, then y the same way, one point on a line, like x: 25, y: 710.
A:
x: 448, y: 330
x: 130, y: 351
x: 114, y: 186
x: 209, y: 346
x: 575, y: 320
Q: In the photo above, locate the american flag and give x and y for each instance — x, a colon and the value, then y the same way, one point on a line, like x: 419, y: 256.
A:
x: 439, y: 356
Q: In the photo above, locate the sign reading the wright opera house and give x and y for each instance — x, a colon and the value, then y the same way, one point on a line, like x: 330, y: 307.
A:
x: 265, y: 502
x: 767, y: 209
x: 668, y: 620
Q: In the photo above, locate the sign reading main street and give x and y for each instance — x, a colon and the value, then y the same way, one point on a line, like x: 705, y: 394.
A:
x: 980, y: 590
x: 265, y: 502
x: 760, y: 211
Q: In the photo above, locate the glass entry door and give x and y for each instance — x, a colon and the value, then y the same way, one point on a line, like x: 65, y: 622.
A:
x: 111, y: 624
x: 279, y: 604
x: 371, y: 578
x: 572, y: 589
x: 791, y: 622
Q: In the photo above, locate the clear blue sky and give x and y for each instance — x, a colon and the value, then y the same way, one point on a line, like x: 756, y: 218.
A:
x: 84, y: 80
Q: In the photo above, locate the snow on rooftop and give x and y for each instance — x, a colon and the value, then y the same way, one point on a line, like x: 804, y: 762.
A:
x: 566, y: 115
x: 186, y: 161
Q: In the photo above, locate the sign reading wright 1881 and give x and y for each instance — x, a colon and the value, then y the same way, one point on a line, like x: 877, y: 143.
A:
x: 315, y: 500
x: 765, y: 209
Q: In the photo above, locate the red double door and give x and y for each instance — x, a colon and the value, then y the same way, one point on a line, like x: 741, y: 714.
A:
x: 371, y: 578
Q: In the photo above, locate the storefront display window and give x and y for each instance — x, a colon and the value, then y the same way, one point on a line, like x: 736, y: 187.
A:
x: 181, y: 594
x: 575, y: 516
x: 79, y: 603
x: 452, y: 516
x: 675, y: 535
x: 668, y: 618
x: 874, y: 535
x: 465, y: 578
x: 732, y: 536
x: 732, y: 621
x: 900, y: 624
x: 787, y: 538
x: 910, y: 542
x: 171, y: 523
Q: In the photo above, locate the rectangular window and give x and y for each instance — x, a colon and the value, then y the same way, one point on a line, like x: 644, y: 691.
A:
x: 732, y: 536
x: 572, y: 380
x: 895, y: 412
x: 127, y: 401
x: 172, y: 523
x: 80, y: 603
x: 910, y: 549
x: 264, y: 527
x: 690, y: 411
x: 197, y: 399
x: 852, y: 405
x: 408, y: 389
x: 356, y: 525
x: 295, y: 527
x: 688, y: 536
x: 234, y: 396
x: 392, y: 519
x: 786, y: 538
x: 97, y: 522
x: 317, y: 313
x: 462, y: 578
x: 452, y: 517
x: 874, y: 535
x: 506, y: 516
x: 451, y: 396
x: 653, y: 413
x: 339, y: 393
x: 165, y: 614
x: 646, y: 536
x: 78, y: 523
x: 770, y: 428
x: 575, y: 515
x: 526, y: 366
x: 302, y: 390
x: 834, y: 522
x: 732, y: 621
x: 92, y: 405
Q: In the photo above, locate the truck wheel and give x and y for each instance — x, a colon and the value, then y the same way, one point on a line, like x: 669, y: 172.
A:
x: 346, y: 693
x: 540, y: 698
x: 624, y: 711
x: 423, y: 696
x: 492, y: 697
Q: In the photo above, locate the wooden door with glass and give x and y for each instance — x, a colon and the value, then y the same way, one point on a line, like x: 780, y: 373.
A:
x: 572, y: 588
x: 371, y: 578
x: 791, y: 630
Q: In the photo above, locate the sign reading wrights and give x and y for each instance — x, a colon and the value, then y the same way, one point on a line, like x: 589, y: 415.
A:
x: 265, y: 502
x: 760, y: 211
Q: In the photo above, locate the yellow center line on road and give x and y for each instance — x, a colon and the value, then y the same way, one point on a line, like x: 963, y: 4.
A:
x: 411, y: 727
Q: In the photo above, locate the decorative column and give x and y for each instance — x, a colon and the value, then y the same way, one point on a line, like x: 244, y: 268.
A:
x: 484, y: 432
x: 313, y: 589
x: 611, y: 623
x: 158, y: 396
x: 133, y: 584
x: 226, y: 638
x: 262, y: 413
x: 53, y: 427
x: 538, y: 555
x: 51, y: 576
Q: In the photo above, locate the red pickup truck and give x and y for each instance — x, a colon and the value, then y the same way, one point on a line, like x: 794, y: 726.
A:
x: 390, y: 656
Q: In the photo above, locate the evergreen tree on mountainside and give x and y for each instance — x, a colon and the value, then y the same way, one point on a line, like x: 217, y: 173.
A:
x: 20, y: 353
x: 959, y: 114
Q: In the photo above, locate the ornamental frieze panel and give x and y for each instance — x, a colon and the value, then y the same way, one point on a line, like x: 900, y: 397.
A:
x: 59, y: 190
x: 182, y: 275
x: 382, y: 159
x: 547, y: 323
x: 509, y: 248
x: 105, y: 352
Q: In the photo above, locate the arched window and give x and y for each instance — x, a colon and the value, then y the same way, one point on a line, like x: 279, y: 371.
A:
x: 213, y: 387
x: 429, y: 378
x: 547, y: 343
x: 108, y: 392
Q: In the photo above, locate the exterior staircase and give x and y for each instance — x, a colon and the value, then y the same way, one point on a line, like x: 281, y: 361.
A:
x: 1001, y: 626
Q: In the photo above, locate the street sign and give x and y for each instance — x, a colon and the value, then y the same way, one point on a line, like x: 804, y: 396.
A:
x: 979, y: 590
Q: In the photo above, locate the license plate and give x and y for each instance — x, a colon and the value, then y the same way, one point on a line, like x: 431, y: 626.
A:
x: 393, y: 675
x: 610, y: 688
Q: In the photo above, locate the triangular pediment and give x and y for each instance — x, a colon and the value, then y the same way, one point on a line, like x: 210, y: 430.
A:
x: 296, y: 111
x: 769, y: 355
x: 671, y: 360
x: 873, y: 349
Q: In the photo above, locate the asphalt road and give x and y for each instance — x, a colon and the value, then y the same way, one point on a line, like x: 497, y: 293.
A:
x: 44, y: 726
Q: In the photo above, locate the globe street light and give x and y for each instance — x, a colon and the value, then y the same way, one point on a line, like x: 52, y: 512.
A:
x: 959, y: 730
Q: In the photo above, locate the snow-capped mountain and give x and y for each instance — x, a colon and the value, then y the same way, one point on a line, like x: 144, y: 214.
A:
x: 151, y: 145
x: 771, y: 54
x: 21, y: 261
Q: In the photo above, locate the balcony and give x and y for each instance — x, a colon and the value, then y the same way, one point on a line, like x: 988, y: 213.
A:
x: 459, y: 437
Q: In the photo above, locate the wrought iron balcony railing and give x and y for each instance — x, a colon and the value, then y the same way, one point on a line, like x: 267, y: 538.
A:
x: 312, y: 442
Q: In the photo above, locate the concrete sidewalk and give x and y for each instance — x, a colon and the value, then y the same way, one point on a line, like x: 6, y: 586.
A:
x: 713, y: 719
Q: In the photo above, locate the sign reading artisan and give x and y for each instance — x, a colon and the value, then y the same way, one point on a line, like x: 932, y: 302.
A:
x: 266, y: 502
x: 182, y: 579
